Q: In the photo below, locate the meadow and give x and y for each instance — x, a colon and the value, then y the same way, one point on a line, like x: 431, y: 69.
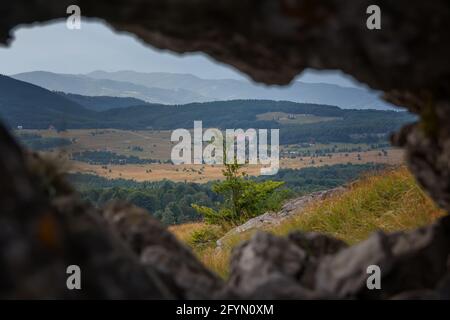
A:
x: 156, y: 145
x: 287, y: 118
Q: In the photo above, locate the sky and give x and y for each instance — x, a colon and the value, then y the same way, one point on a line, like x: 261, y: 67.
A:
x: 53, y: 47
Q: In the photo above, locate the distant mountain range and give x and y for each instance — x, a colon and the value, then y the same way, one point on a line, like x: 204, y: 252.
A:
x: 27, y: 106
x: 171, y: 88
x: 88, y: 86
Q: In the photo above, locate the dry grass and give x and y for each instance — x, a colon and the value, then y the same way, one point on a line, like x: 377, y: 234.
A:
x: 394, y: 157
x: 156, y: 145
x: 390, y: 201
x: 184, y: 231
x: 205, y: 173
x: 216, y: 260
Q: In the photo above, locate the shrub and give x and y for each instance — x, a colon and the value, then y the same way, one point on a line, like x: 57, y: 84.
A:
x: 205, y: 236
x: 243, y: 198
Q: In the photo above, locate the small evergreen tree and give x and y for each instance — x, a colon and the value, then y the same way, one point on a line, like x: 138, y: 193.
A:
x: 243, y: 198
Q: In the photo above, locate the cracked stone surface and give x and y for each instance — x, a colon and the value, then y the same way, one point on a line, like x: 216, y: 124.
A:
x: 159, y: 250
x: 290, y: 208
x: 413, y: 265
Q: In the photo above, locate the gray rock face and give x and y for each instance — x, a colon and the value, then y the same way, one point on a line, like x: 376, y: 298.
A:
x: 41, y: 236
x: 159, y: 250
x: 443, y: 288
x: 316, y: 245
x: 282, y: 266
x: 296, y: 205
x: 345, y: 275
x: 413, y: 265
x: 427, y: 146
x: 289, y: 209
x: 265, y: 258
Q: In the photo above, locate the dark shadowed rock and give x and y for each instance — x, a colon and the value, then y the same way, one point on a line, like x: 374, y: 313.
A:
x: 316, y: 244
x: 427, y: 146
x: 262, y: 260
x: 310, y: 265
x: 420, y: 257
x: 408, y: 261
x: 443, y: 287
x: 159, y: 250
x: 274, y: 41
x: 345, y: 273
x: 268, y: 266
x: 41, y: 236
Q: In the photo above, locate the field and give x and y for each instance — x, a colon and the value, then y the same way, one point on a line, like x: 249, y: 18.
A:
x: 286, y: 118
x: 205, y: 173
x: 157, y: 145
x: 326, y: 148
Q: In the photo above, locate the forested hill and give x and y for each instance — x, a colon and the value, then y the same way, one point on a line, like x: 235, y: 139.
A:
x: 221, y: 114
x: 298, y: 122
x: 102, y: 103
x: 32, y: 107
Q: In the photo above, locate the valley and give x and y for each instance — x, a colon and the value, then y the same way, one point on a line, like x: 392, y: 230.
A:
x: 118, y: 148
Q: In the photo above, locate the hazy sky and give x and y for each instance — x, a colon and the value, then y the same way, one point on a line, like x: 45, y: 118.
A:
x: 53, y: 47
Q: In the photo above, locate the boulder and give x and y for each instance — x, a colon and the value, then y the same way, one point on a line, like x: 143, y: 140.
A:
x: 269, y: 266
x: 291, y: 208
x: 409, y: 261
x: 159, y: 250
x: 41, y: 235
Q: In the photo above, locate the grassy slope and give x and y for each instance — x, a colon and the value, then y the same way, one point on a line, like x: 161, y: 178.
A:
x: 390, y: 201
